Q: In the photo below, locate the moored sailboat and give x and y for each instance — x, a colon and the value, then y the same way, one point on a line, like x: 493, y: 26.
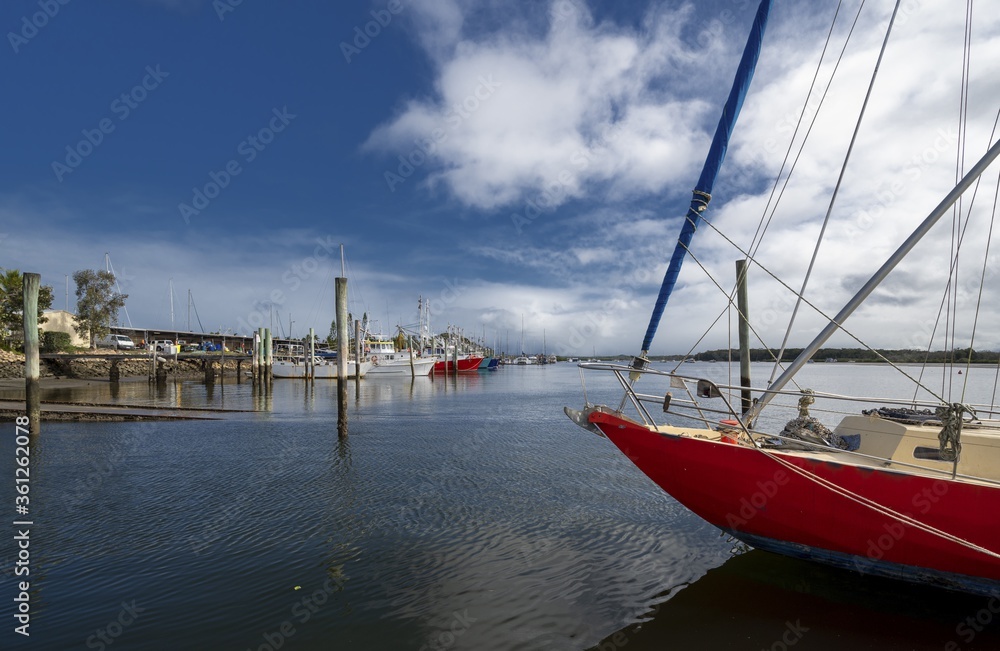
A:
x: 904, y: 487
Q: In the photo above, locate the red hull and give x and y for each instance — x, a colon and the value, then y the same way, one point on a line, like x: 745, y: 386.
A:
x: 745, y: 492
x: 464, y: 365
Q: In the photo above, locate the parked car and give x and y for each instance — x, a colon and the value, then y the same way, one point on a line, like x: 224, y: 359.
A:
x: 162, y: 346
x: 118, y: 342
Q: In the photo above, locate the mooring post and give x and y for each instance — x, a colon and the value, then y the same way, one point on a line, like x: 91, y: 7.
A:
x: 259, y: 343
x: 32, y: 397
x: 342, y: 354
x: 311, y: 369
x: 343, y: 348
x: 114, y: 373
x: 358, y: 350
x: 268, y: 356
x: 413, y: 373
x: 743, y: 305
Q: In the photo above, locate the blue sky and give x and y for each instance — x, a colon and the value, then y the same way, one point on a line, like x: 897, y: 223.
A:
x: 501, y: 159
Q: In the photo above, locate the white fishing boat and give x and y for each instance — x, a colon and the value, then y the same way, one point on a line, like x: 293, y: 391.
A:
x: 290, y: 362
x: 386, y: 360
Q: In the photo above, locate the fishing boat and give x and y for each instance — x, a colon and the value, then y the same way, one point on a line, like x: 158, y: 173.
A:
x: 386, y: 360
x: 465, y: 364
x: 898, y: 486
x: 290, y: 362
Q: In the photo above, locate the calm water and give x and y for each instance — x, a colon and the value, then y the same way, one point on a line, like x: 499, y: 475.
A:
x: 467, y: 514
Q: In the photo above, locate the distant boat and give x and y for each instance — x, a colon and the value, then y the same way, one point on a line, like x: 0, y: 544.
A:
x: 522, y: 361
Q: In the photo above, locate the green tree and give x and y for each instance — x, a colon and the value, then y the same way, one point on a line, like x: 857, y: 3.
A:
x: 12, y: 304
x: 331, y: 339
x: 97, y: 303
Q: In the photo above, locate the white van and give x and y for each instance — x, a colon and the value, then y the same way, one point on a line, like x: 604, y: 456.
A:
x: 118, y: 342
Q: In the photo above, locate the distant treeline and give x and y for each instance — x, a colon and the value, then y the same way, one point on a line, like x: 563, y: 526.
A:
x: 960, y: 355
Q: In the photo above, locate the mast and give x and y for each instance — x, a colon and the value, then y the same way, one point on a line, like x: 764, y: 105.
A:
x: 876, y: 279
x: 702, y: 193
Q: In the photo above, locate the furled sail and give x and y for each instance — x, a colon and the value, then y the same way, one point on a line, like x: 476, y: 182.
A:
x: 716, y: 154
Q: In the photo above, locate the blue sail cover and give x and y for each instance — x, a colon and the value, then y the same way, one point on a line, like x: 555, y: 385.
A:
x: 716, y: 154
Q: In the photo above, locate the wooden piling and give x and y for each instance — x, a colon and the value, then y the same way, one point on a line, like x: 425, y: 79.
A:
x: 743, y: 305
x: 358, y: 350
x: 114, y: 373
x: 342, y: 353
x: 343, y: 349
x: 255, y: 361
x: 32, y: 396
x: 413, y: 373
x: 268, y: 357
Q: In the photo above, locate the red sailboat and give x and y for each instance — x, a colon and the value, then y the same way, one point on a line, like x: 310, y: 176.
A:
x: 899, y: 487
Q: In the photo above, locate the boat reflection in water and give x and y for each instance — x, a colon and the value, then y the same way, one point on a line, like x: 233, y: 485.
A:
x: 742, y: 603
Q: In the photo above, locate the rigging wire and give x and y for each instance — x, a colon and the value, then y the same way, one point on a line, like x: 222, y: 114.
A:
x: 948, y: 307
x: 731, y: 305
x: 979, y: 298
x: 951, y: 315
x: 821, y: 313
x: 840, y: 179
x: 982, y: 278
x: 763, y: 224
x: 765, y: 219
x: 963, y: 125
